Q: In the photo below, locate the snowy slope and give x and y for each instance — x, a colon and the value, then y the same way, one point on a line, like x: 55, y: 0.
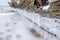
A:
x: 50, y: 24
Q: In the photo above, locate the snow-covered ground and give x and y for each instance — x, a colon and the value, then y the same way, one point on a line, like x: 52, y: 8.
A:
x: 15, y: 27
x: 50, y: 24
x: 16, y: 24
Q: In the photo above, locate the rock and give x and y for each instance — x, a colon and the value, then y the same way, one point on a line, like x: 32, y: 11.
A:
x: 55, y: 8
x: 25, y: 4
x: 28, y: 5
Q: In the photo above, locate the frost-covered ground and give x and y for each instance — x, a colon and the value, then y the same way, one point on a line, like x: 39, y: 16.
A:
x: 17, y: 24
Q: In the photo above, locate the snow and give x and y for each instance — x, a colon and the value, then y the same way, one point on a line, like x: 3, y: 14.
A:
x: 15, y: 24
x: 45, y: 22
x: 46, y: 7
x: 20, y: 28
x: 19, y: 25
